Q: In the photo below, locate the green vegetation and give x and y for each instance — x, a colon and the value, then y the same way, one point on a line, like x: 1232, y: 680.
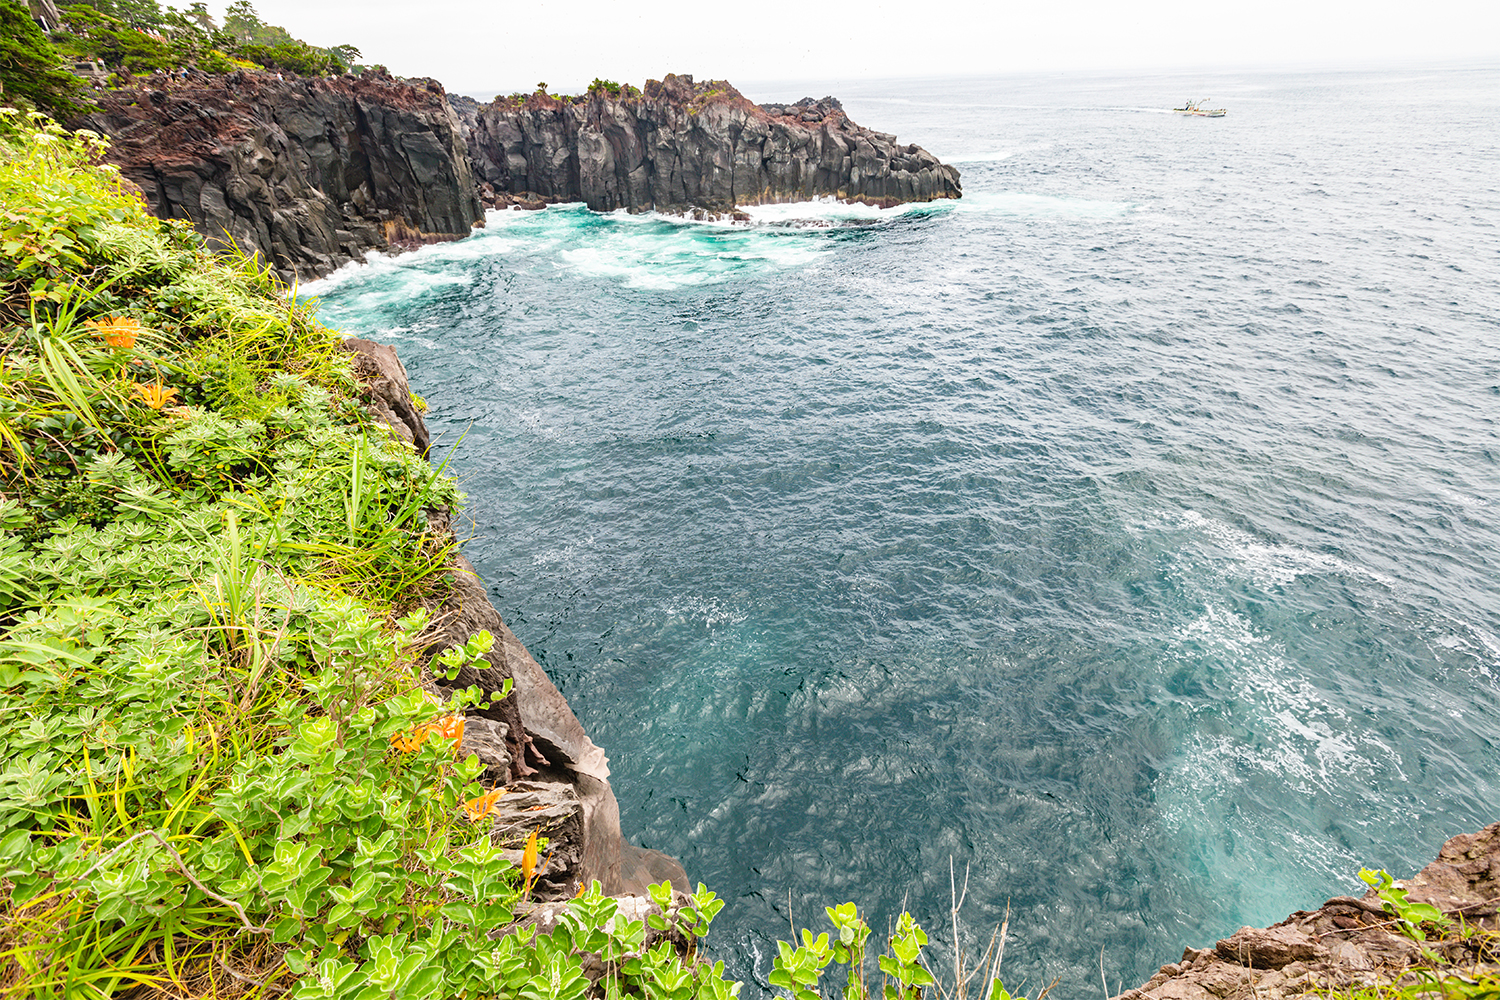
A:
x: 213, y: 574
x: 613, y: 89
x: 31, y: 69
x: 141, y: 36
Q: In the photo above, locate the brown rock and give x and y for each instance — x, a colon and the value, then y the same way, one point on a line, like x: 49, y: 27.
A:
x: 1268, y: 949
x: 387, y: 392
x: 1349, y: 943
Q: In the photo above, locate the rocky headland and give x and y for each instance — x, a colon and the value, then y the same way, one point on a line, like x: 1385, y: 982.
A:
x: 307, y: 172
x: 691, y: 147
x: 312, y: 172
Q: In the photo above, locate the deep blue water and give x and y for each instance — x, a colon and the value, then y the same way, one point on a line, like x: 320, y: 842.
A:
x: 1125, y: 532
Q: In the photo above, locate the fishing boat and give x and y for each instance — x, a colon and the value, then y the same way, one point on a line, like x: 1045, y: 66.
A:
x: 1197, y: 108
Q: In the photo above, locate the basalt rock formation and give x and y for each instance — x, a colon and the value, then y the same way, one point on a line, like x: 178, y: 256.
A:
x: 1348, y: 942
x: 530, y: 741
x: 307, y: 172
x: 310, y: 173
x: 681, y: 146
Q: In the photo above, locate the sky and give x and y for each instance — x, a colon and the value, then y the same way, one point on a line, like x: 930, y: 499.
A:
x: 484, y: 48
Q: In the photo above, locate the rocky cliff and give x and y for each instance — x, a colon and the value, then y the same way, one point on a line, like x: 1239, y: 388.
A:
x: 1351, y: 943
x: 307, y: 172
x: 557, y: 779
x: 682, y: 146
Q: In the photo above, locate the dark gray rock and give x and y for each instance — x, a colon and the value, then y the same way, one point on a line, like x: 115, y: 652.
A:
x: 487, y: 740
x: 681, y: 145
x: 308, y: 173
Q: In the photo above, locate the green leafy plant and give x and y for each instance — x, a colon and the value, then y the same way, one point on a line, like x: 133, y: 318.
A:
x: 1416, y: 921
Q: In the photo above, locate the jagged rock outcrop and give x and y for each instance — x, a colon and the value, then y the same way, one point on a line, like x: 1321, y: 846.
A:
x: 308, y: 172
x: 681, y: 146
x: 557, y: 779
x: 1349, y: 943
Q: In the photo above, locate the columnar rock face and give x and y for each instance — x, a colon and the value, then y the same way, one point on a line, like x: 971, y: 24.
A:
x: 307, y: 172
x: 680, y: 145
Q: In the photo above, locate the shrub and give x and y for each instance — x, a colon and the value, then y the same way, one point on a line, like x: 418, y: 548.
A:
x: 613, y: 89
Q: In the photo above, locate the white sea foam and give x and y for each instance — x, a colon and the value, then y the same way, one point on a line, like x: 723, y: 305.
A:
x: 652, y: 257
x: 1295, y: 736
x: 1269, y: 564
x: 827, y: 210
x: 711, y: 613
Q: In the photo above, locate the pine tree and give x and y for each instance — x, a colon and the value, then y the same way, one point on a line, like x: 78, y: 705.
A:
x: 30, y: 68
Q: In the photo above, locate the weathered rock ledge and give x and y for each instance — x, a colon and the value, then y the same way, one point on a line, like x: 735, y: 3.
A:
x: 689, y: 147
x: 557, y: 779
x: 1348, y: 942
x: 307, y: 172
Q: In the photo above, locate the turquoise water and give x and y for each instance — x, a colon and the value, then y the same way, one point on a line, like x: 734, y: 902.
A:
x: 1125, y: 532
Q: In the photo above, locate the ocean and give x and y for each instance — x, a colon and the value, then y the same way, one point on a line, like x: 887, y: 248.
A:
x: 1123, y: 535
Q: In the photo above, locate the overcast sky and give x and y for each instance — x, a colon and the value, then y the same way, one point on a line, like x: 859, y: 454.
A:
x: 485, y: 48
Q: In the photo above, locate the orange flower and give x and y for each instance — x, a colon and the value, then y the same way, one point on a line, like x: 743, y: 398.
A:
x: 449, y: 727
x: 117, y: 331
x: 155, y: 396
x: 528, y: 862
x: 478, y: 809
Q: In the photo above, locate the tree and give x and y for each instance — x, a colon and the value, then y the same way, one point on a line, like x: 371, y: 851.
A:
x: 345, y: 55
x: 31, y: 69
x: 244, y: 25
x: 146, y: 15
x: 104, y: 36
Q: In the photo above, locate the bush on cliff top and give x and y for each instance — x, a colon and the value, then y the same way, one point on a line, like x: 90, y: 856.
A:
x: 139, y: 36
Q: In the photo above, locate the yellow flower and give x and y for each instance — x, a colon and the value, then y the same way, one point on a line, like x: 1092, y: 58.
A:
x: 155, y: 396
